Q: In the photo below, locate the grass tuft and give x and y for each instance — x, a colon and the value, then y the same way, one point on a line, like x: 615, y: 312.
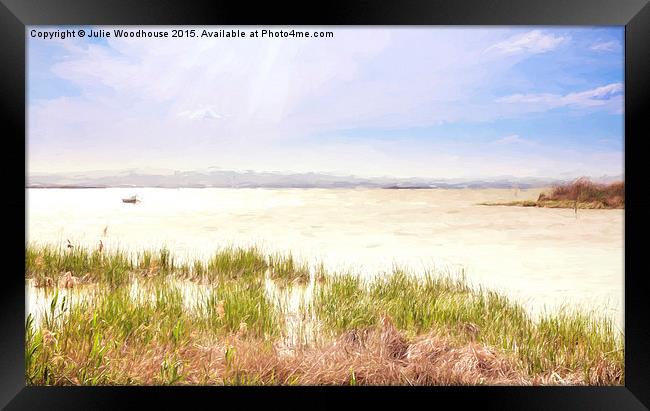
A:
x: 288, y: 269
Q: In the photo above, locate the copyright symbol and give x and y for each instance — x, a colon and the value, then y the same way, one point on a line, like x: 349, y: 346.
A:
x: 82, y: 33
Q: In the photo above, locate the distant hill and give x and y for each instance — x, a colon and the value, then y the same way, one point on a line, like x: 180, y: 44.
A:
x: 253, y: 179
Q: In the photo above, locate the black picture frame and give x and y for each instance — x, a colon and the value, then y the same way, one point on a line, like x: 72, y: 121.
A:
x: 15, y: 15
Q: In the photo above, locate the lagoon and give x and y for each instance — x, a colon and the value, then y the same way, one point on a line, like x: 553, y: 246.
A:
x: 543, y: 258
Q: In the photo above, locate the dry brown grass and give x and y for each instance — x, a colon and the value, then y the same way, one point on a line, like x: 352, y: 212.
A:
x: 384, y: 356
x: 583, y: 190
x: 578, y: 194
x: 373, y: 356
x: 379, y: 356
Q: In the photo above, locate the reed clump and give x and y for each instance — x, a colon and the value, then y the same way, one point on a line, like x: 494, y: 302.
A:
x: 554, y: 344
x: 241, y: 308
x: 48, y: 264
x: 583, y: 190
x: 581, y: 193
x: 288, y: 269
x: 235, y: 263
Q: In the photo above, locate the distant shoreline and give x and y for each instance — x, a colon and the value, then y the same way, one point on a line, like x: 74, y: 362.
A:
x: 581, y: 205
x: 277, y: 180
x: 443, y: 187
x: 76, y: 187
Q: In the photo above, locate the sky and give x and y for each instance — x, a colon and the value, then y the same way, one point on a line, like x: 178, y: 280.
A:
x: 438, y: 102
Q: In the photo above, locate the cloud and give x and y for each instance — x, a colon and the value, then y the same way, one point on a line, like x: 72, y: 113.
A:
x: 513, y: 139
x: 533, y: 42
x: 608, y: 46
x: 275, y: 89
x: 608, y: 96
x: 202, y: 113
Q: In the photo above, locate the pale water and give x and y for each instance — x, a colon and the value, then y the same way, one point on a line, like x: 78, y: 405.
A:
x: 544, y: 258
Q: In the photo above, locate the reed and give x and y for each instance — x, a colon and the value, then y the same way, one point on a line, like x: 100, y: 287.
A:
x: 581, y: 193
x: 235, y: 263
x: 242, y: 308
x: 288, y: 269
x: 584, y: 190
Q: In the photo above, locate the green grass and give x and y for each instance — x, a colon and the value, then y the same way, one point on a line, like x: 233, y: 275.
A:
x: 524, y: 203
x: 118, y: 267
x: 288, y: 269
x: 234, y: 263
x: 231, y: 304
x: 342, y: 304
x: 46, y: 264
x: 85, y: 339
x: 151, y: 264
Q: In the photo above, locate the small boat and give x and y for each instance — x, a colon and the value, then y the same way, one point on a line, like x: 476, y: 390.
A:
x: 130, y: 200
